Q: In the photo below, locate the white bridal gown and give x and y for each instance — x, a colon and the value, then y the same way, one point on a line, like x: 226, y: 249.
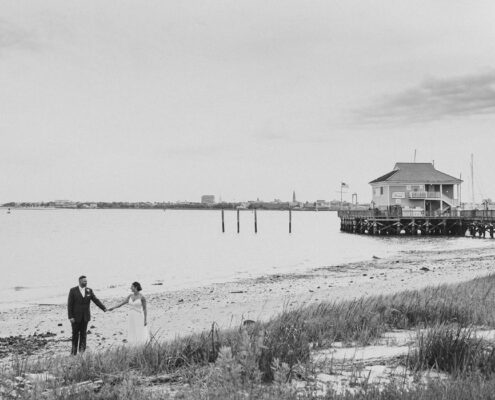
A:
x: 137, y: 333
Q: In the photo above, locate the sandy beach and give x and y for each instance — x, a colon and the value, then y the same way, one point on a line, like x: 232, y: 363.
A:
x: 179, y: 313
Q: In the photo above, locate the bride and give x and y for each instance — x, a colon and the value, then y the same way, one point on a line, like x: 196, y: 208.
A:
x: 137, y: 333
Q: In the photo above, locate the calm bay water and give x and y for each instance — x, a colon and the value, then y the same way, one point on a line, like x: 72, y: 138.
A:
x: 42, y: 252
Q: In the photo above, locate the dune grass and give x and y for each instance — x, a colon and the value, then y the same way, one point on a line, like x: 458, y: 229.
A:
x: 264, y: 357
x: 365, y: 319
x: 453, y: 349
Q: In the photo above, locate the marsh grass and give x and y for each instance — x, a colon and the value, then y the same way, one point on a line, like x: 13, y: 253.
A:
x: 462, y: 389
x: 365, y: 319
x: 453, y: 349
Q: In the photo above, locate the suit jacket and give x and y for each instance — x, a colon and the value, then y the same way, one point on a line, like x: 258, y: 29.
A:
x: 78, y: 306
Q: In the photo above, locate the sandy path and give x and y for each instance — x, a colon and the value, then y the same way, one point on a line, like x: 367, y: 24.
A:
x: 186, y: 311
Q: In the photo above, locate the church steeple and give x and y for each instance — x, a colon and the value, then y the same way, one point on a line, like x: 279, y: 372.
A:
x: 294, y: 196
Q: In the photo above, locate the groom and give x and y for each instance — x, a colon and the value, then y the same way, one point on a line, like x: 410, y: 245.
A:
x: 79, y: 313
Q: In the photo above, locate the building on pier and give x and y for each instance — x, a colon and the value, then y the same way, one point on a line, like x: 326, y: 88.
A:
x: 417, y: 199
x: 418, y: 189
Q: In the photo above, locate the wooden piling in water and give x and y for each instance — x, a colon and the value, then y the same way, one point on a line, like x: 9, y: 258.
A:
x: 290, y: 220
x: 223, y: 221
x: 238, y: 222
x: 471, y: 223
x: 255, y: 221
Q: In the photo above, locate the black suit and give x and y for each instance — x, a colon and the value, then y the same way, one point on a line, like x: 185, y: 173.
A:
x: 78, y: 308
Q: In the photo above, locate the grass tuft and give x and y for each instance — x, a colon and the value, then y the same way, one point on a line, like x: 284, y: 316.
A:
x: 453, y: 349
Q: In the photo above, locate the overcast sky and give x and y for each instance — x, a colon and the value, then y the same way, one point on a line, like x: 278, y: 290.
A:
x: 169, y: 100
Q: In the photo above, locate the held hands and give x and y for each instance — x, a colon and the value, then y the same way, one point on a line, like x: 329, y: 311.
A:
x: 72, y: 320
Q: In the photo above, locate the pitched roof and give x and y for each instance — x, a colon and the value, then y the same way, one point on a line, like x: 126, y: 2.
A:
x: 416, y: 173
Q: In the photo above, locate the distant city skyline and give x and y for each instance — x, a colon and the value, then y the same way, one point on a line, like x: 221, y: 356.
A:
x: 124, y: 101
x: 202, y: 199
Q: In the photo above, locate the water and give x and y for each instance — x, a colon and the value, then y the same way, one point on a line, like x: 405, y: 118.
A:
x: 42, y: 252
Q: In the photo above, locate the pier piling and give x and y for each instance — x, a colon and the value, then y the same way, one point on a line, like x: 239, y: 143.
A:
x: 223, y: 221
x: 290, y: 220
x: 475, y: 223
x: 255, y: 221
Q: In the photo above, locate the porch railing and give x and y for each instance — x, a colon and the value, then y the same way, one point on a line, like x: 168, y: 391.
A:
x: 424, y: 195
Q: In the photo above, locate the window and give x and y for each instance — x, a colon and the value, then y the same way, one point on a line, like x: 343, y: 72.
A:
x: 381, y: 191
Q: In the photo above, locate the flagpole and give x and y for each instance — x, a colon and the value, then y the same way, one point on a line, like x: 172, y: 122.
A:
x: 341, y: 185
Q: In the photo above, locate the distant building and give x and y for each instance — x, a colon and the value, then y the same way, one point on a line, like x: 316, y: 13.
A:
x: 90, y: 205
x: 294, y: 202
x: 65, y: 204
x: 208, y: 199
x: 418, y: 187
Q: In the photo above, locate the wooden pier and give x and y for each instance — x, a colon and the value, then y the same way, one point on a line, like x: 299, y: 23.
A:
x: 476, y: 223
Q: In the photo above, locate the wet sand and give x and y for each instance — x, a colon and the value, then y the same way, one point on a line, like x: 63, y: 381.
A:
x: 179, y: 313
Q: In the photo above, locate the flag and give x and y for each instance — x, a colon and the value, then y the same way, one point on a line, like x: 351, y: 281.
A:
x: 344, y: 185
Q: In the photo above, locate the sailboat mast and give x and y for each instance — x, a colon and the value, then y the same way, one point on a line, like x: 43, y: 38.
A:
x: 459, y: 190
x: 472, y: 181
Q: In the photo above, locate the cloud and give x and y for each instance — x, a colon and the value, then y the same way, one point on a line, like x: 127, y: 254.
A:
x: 434, y: 99
x: 15, y: 37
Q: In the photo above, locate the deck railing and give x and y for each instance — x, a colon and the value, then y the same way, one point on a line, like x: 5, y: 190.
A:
x: 397, y: 212
x: 424, y: 195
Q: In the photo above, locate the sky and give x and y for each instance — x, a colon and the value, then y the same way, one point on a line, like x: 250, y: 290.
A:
x: 125, y: 100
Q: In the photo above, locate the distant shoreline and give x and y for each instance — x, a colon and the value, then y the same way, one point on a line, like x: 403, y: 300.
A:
x: 180, y: 208
x: 167, y: 208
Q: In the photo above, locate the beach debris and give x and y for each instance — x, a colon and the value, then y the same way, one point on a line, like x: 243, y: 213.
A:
x: 158, y: 379
x: 16, y: 388
x: 180, y: 301
x: 23, y: 385
x: 80, y: 387
x: 376, y: 258
x: 238, y: 291
x: 60, y: 324
x: 424, y: 269
x: 21, y: 345
x: 40, y: 377
x: 157, y: 284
